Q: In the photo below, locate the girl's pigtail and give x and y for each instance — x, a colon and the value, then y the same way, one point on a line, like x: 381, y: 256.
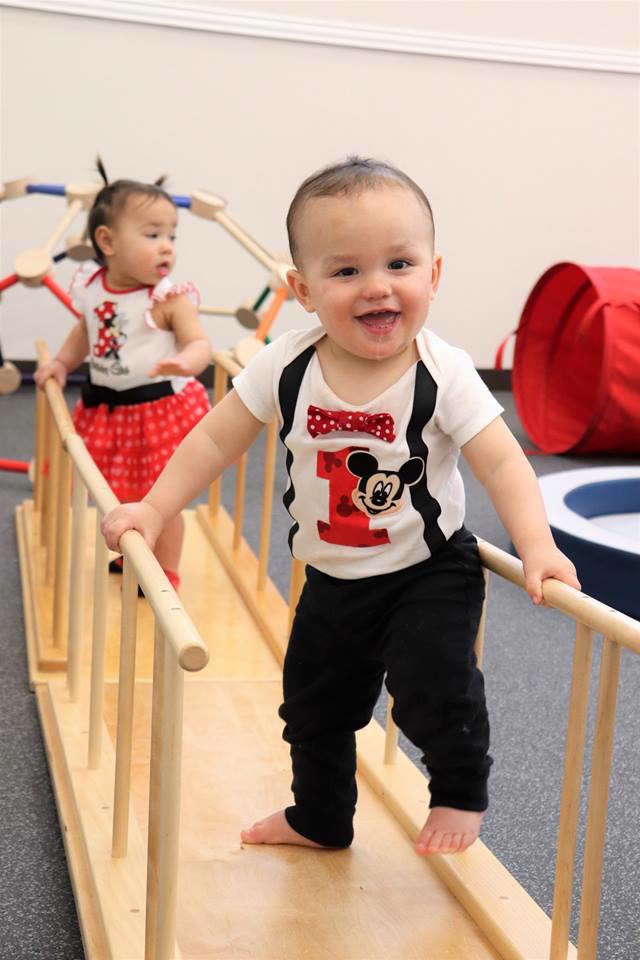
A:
x: 102, y: 171
x: 160, y: 182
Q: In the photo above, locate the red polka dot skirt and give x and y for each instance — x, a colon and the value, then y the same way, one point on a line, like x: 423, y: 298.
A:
x: 131, y: 444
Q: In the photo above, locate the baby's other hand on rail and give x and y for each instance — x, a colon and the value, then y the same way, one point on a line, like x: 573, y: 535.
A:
x: 544, y: 562
x: 132, y: 516
x: 53, y: 368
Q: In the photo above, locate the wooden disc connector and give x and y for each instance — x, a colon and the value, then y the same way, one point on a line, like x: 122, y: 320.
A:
x: 247, y: 318
x: 206, y: 205
x: 32, y: 266
x: 10, y: 378
x: 78, y: 247
x: 83, y: 191
x: 15, y: 188
x: 211, y: 207
x: 278, y: 277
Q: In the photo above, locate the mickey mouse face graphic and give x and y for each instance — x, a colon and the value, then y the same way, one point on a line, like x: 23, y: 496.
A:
x: 380, y: 491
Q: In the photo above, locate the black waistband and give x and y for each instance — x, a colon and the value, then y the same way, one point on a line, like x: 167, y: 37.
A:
x: 93, y: 396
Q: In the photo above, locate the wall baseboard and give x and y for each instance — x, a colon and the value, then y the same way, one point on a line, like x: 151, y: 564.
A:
x: 220, y: 19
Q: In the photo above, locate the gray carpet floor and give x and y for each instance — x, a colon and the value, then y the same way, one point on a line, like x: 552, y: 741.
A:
x: 527, y: 668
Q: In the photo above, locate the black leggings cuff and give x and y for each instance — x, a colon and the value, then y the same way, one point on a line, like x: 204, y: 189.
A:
x: 473, y: 797
x: 329, y: 833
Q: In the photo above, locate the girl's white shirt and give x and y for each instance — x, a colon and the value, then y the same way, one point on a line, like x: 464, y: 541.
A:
x: 125, y: 344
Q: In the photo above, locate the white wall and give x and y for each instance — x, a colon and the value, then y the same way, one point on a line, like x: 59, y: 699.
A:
x: 525, y: 165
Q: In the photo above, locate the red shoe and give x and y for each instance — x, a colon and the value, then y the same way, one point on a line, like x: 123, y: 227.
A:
x: 172, y: 577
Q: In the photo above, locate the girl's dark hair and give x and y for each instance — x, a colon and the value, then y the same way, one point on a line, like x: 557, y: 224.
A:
x: 111, y: 200
x: 350, y: 176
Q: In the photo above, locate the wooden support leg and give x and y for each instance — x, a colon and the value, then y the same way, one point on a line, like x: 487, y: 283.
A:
x: 40, y: 450
x: 76, y: 598
x: 55, y: 448
x: 598, y: 800
x: 164, y: 802
x: 124, y: 733
x: 98, y: 646
x: 238, y: 516
x: 570, y: 804
x: 220, y: 381
x: 61, y: 576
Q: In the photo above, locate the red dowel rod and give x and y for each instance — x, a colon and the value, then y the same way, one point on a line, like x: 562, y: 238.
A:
x: 62, y: 296
x: 8, y: 281
x: 14, y: 466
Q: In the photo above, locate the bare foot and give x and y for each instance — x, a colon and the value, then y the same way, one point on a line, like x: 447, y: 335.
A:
x: 448, y: 830
x: 275, y: 829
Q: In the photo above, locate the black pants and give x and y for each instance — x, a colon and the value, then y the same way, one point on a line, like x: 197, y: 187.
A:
x: 418, y: 626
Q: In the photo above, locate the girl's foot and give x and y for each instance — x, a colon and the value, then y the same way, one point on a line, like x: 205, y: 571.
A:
x: 275, y: 829
x: 448, y: 830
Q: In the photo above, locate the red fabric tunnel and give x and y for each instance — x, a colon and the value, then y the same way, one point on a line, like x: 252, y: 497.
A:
x: 576, y: 367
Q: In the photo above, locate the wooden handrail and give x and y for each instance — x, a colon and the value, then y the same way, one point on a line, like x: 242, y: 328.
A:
x: 613, y: 624
x: 191, y: 651
x: 176, y: 625
x: 223, y: 358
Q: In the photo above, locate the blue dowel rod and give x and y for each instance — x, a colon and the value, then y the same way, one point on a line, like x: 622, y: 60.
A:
x: 57, y: 189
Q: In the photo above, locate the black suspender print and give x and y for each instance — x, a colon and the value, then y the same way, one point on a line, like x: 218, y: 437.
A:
x: 288, y: 391
x: 424, y: 402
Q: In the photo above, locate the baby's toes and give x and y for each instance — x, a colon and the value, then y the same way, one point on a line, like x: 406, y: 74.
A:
x: 424, y: 843
x: 466, y: 840
x: 252, y: 834
x: 454, y: 843
x: 442, y: 844
x: 431, y: 842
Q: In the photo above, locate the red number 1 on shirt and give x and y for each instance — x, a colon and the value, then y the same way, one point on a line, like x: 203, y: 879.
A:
x: 348, y: 526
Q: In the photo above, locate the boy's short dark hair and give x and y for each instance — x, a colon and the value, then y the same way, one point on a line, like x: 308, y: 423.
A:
x: 350, y: 176
x: 111, y: 200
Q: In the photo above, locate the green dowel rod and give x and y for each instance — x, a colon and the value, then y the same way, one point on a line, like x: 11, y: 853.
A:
x: 261, y: 299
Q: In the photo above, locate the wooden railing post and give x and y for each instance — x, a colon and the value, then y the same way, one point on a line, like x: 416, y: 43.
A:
x: 164, y: 802
x: 238, y: 514
x: 40, y: 450
x: 598, y: 800
x: 391, y: 734
x: 478, y: 647
x: 76, y: 597
x: 220, y: 380
x: 570, y: 802
x: 47, y: 426
x: 126, y: 689
x: 98, y: 647
x: 61, y: 578
x: 53, y: 480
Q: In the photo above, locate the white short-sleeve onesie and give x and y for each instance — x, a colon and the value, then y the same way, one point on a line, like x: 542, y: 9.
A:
x: 372, y: 488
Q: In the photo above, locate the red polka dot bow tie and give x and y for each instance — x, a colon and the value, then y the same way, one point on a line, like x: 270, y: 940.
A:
x: 320, y: 422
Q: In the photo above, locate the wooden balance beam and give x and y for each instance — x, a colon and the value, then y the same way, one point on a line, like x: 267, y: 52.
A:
x: 132, y: 739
